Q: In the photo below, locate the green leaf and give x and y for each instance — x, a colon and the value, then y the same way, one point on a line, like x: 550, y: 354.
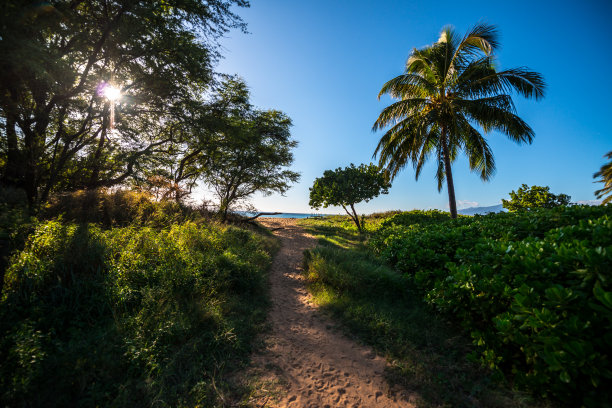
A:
x: 603, y: 296
x: 565, y: 377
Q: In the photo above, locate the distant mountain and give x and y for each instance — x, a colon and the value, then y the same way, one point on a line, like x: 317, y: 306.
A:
x: 482, y: 210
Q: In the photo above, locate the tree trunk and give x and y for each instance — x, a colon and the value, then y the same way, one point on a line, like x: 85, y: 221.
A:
x: 95, y: 172
x: 356, y: 219
x: 353, y: 216
x: 31, y: 165
x: 13, y: 163
x: 449, y: 175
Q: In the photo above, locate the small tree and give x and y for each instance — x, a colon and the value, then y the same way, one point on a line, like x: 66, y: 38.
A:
x: 529, y: 198
x: 348, y: 186
x: 605, y: 175
x: 252, y: 157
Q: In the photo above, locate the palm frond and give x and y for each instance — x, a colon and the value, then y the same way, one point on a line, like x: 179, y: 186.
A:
x: 407, y: 84
x: 469, y: 74
x: 403, y: 143
x: 605, y: 173
x: 482, y: 37
x: 448, y: 44
x: 396, y: 150
x: 431, y: 144
x: 493, y: 117
x: 477, y: 149
x: 398, y: 111
x: 521, y: 80
x: 421, y: 62
x: 501, y: 101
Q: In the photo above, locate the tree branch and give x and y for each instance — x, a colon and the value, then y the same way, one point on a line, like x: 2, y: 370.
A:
x: 262, y: 214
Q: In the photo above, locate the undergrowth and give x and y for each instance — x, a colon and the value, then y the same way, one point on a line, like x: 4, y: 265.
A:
x: 130, y: 316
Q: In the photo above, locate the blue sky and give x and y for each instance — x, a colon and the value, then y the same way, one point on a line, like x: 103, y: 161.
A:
x: 324, y: 62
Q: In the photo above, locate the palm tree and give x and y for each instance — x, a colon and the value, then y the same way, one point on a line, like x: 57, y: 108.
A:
x: 446, y: 89
x: 605, y: 175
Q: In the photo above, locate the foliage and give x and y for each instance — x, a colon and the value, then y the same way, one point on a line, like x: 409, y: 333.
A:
x: 446, y: 88
x: 420, y: 217
x: 528, y: 198
x: 380, y: 307
x: 251, y: 153
x: 605, y: 175
x: 141, y: 317
x: 60, y: 132
x: 347, y: 187
x: 116, y: 208
x: 532, y: 288
x: 16, y: 224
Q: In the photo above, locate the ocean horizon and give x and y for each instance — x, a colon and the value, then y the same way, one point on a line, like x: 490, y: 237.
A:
x: 283, y: 215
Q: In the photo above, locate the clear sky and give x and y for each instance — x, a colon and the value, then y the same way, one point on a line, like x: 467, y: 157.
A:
x: 323, y: 63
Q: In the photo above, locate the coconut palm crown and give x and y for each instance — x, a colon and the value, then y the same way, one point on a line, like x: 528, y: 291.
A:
x: 450, y: 93
x: 605, y: 175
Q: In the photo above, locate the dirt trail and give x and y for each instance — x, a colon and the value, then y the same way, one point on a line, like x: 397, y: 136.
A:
x: 311, y: 363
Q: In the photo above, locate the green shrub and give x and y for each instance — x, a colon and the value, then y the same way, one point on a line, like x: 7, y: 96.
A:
x: 529, y: 198
x: 420, y: 217
x: 533, y: 289
x: 16, y: 224
x: 379, y: 306
x: 129, y: 316
x: 115, y: 208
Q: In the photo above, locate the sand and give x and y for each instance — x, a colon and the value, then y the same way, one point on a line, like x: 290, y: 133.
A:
x: 311, y: 363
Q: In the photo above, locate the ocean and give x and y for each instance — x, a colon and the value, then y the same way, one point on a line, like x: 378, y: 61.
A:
x: 284, y: 215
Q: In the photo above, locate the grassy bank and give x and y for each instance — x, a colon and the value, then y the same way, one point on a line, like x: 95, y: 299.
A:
x: 132, y: 315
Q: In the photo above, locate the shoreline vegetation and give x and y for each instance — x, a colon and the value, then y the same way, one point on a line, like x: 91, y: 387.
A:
x: 162, y: 302
x: 461, y: 306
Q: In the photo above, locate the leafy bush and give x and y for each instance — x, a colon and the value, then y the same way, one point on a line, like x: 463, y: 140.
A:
x: 15, y: 225
x: 417, y: 217
x: 129, y: 316
x: 533, y: 289
x: 529, y: 198
x: 115, y: 208
x: 380, y: 307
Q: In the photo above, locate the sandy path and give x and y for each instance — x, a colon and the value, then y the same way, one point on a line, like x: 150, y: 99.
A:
x: 314, y: 365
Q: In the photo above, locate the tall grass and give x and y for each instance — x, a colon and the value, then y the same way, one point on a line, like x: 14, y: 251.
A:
x: 130, y: 316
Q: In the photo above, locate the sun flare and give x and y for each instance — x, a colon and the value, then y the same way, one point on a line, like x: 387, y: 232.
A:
x: 112, y: 93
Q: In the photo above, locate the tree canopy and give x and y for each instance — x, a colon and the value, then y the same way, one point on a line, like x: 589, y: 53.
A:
x: 104, y: 93
x: 529, y: 198
x: 250, y: 153
x: 446, y: 89
x: 349, y: 186
x: 59, y: 128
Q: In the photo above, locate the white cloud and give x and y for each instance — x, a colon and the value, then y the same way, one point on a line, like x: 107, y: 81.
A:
x: 589, y: 202
x: 462, y: 204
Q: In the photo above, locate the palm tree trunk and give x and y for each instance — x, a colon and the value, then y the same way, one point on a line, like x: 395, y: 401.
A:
x: 449, y: 176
